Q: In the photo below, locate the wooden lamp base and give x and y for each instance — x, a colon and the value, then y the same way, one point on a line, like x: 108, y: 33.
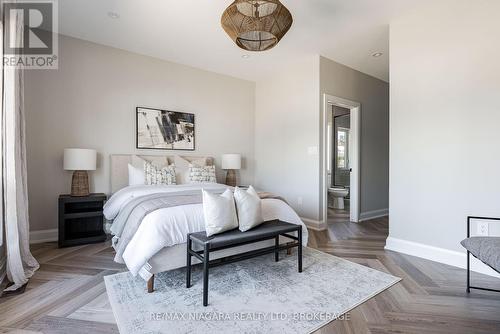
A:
x: 80, y: 183
x: 231, y: 178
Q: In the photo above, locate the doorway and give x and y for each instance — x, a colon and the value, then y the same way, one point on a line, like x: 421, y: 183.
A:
x: 341, y: 159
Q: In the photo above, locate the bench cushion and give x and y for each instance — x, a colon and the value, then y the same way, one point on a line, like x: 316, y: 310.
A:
x: 486, y: 249
x: 234, y: 237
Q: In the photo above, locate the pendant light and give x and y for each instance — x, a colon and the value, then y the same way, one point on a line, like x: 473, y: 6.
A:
x: 256, y: 25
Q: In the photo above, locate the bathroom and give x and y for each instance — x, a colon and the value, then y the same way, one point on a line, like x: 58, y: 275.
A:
x: 338, y: 164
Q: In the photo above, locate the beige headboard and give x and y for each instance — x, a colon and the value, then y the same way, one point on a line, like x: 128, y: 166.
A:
x: 119, y: 169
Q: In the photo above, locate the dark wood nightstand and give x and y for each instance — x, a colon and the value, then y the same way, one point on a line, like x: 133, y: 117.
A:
x: 81, y: 220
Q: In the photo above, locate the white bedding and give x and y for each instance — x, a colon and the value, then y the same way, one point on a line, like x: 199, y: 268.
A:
x: 123, y: 196
x: 167, y: 227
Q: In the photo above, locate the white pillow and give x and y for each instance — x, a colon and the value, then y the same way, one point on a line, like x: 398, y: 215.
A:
x: 219, y: 212
x: 249, y: 208
x: 182, y: 168
x: 136, y: 168
x: 135, y: 175
x: 202, y: 174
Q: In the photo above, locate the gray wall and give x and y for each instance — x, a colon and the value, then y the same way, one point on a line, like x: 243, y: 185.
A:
x: 373, y: 94
x: 90, y: 103
x: 445, y: 123
x: 338, y: 111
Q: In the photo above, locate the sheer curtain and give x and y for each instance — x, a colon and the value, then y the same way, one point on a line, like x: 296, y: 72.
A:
x: 21, y: 265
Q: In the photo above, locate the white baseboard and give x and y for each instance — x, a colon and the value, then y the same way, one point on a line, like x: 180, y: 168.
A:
x: 437, y: 254
x: 314, y: 224
x: 37, y: 237
x: 363, y: 216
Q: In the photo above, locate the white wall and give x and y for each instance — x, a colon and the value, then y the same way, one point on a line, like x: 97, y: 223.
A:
x: 373, y: 94
x: 286, y: 124
x: 445, y: 121
x: 90, y: 102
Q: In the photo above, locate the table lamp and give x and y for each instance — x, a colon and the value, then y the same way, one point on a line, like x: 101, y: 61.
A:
x: 231, y: 162
x: 80, y: 161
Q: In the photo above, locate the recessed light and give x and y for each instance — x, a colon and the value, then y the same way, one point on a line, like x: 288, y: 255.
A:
x: 245, y: 56
x: 377, y: 54
x: 114, y: 15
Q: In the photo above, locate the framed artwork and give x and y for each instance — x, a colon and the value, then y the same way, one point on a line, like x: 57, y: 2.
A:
x: 160, y: 129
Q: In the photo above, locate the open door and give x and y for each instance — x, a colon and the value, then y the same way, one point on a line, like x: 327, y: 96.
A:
x: 347, y: 153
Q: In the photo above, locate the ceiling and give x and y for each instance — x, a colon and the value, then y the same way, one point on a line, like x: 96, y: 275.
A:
x: 189, y: 32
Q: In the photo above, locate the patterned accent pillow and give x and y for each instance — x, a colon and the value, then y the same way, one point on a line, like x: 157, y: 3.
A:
x: 182, y: 167
x: 199, y: 174
x: 159, y: 175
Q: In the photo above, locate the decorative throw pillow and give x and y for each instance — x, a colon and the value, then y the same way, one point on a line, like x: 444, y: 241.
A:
x: 219, y: 212
x: 202, y: 174
x: 249, y: 208
x: 159, y: 175
x: 182, y: 168
x: 135, y: 175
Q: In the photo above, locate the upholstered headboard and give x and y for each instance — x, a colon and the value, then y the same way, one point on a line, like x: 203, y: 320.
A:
x: 119, y: 169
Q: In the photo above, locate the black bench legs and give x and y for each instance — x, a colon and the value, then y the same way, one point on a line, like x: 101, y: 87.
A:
x: 299, y: 248
x: 206, y: 266
x: 277, y: 248
x: 235, y: 238
x: 188, y: 262
x: 206, y: 262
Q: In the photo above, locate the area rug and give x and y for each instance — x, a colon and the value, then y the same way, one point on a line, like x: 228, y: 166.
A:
x: 251, y: 296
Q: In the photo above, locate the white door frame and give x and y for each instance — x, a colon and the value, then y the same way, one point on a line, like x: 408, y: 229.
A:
x: 354, y: 153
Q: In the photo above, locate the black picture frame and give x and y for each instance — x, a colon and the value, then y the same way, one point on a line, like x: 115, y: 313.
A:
x: 164, y: 134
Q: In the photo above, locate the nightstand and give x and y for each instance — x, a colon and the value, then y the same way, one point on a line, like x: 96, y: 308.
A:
x: 81, y: 220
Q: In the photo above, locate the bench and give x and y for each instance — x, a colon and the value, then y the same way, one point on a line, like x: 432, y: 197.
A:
x: 266, y: 231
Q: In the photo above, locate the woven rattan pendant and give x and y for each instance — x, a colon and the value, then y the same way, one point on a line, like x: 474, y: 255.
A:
x: 256, y: 25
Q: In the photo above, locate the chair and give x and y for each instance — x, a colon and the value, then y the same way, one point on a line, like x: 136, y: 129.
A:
x: 485, y: 249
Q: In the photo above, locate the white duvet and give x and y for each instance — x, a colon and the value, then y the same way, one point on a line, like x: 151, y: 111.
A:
x: 167, y: 227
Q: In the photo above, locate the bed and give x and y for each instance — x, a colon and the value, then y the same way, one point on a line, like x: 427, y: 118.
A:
x: 149, y: 223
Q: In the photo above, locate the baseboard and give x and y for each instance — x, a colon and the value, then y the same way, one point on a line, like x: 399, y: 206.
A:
x: 314, y: 224
x: 363, y: 216
x: 437, y: 254
x: 40, y: 236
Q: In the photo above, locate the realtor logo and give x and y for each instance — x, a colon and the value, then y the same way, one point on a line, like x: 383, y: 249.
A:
x: 30, y: 34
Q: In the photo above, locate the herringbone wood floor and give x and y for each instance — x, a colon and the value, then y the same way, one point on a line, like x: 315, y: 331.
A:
x: 67, y: 294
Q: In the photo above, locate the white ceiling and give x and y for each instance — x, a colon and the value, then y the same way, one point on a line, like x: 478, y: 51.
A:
x: 189, y: 32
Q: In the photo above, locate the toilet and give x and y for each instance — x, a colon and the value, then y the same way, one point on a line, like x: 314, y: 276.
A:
x: 338, y: 195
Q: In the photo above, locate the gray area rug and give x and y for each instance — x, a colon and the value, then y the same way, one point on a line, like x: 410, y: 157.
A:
x: 251, y: 296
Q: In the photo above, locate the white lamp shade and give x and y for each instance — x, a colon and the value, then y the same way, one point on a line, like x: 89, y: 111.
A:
x: 231, y: 161
x: 79, y: 159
